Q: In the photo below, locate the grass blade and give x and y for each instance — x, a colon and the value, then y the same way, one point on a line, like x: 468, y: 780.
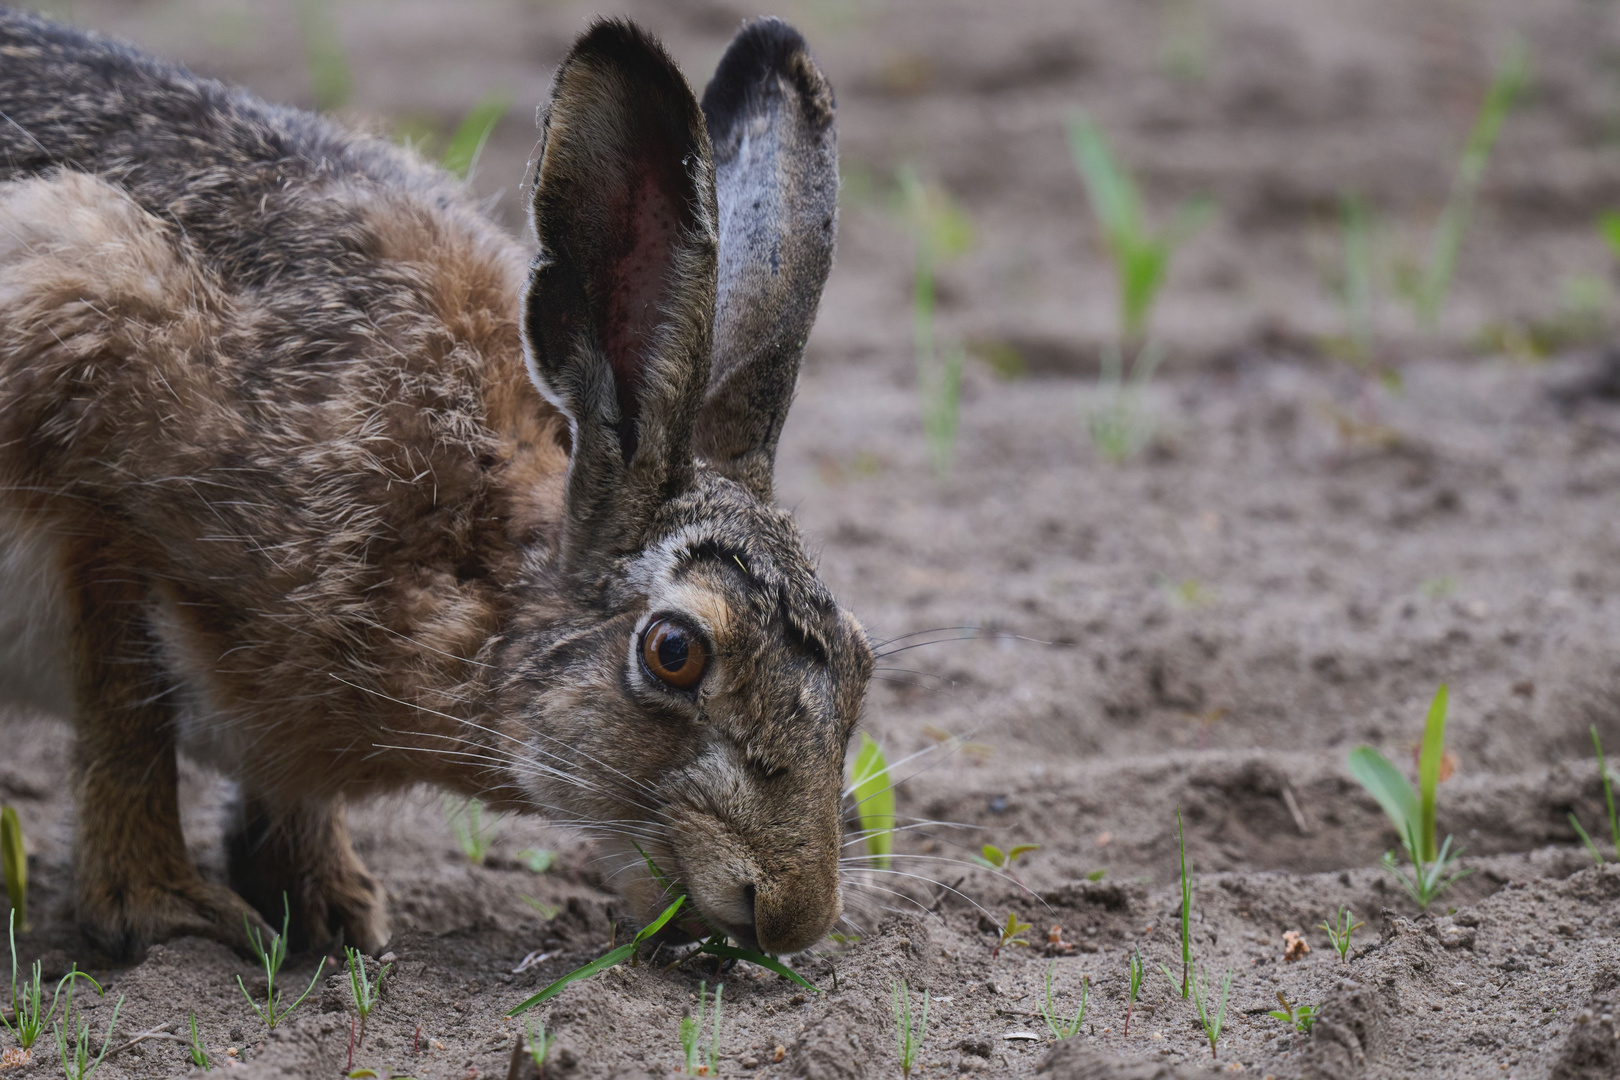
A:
x: 623, y: 952
x: 1386, y: 784
x: 874, y: 800
x: 467, y: 144
x: 14, y: 863
x: 1434, y: 745
x: 732, y: 952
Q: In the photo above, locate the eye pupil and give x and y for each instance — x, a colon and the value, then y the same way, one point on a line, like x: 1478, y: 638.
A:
x: 672, y: 650
x: 673, y: 654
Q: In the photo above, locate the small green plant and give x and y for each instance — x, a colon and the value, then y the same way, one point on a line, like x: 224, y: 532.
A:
x: 692, y: 1035
x: 1413, y: 813
x: 466, y: 820
x: 602, y: 963
x: 1135, y: 967
x: 908, y: 1034
x: 77, y: 1064
x: 939, y: 230
x: 545, y: 910
x: 1186, y: 908
x: 364, y: 992
x: 537, y: 860
x: 195, y: 1049
x: 1061, y: 1028
x: 14, y: 864
x: 467, y: 144
x: 539, y: 1045
x: 272, y: 958
x: 997, y: 859
x: 874, y: 801
x: 29, y: 1017
x: 1608, y: 796
x: 1011, y: 934
x: 328, y: 64
x: 1339, y: 931
x: 1432, y: 283
x: 1211, y: 1022
x: 1298, y: 1017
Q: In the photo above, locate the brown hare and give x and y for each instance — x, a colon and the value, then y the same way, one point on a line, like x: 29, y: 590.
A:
x: 308, y: 470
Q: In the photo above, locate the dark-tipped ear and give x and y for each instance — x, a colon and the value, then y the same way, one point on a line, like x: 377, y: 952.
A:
x: 619, y: 314
x: 770, y: 116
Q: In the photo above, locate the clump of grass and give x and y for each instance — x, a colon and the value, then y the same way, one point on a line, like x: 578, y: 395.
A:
x: 363, y: 991
x: 538, y: 1045
x: 1298, y: 1017
x: 324, y: 56
x: 908, y: 1033
x: 692, y: 1035
x: 1608, y: 795
x: 467, y: 143
x: 1339, y: 931
x: 1061, y: 1028
x: 1135, y: 966
x: 1011, y: 934
x: 473, y: 833
x: 940, y: 230
x: 1211, y: 1021
x: 874, y: 800
x: 1413, y: 813
x: 272, y: 958
x: 14, y: 864
x: 29, y: 1017
x: 195, y: 1049
x: 77, y: 1064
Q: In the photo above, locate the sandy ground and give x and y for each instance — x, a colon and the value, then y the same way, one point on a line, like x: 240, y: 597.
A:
x: 1288, y: 570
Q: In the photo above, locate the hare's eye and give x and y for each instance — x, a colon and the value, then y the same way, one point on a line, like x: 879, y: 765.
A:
x: 674, y: 653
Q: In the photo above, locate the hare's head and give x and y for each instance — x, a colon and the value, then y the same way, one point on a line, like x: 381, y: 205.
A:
x: 693, y: 695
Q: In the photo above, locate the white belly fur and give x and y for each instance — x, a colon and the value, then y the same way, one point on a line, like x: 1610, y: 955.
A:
x: 33, y: 625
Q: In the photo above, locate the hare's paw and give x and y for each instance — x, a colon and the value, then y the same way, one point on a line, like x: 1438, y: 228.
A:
x: 123, y: 918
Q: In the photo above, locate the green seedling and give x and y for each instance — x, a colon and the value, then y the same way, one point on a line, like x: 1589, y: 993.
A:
x: 364, y: 992
x: 537, y: 860
x: 1097, y: 874
x: 29, y: 1017
x: 467, y: 144
x: 1211, y: 1023
x: 77, y: 1064
x: 539, y: 1045
x: 1061, y: 1028
x: 874, y: 801
x: 1011, y: 934
x: 14, y: 863
x: 272, y: 958
x: 546, y: 911
x: 908, y: 1035
x: 1135, y: 966
x: 328, y: 64
x: 1608, y: 796
x: 195, y: 1048
x: 996, y: 859
x: 940, y: 230
x: 692, y: 1035
x: 1339, y: 931
x: 1413, y: 813
x: 1428, y: 292
x: 1609, y: 228
x: 1186, y: 908
x: 1298, y: 1017
x: 466, y: 820
x: 602, y: 963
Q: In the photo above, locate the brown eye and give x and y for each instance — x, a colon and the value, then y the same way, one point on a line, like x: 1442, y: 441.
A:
x: 674, y: 654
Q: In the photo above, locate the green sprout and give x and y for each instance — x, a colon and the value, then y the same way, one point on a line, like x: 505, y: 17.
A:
x: 1413, y: 814
x: 1135, y: 966
x: 1186, y: 908
x: 1298, y: 1017
x: 272, y: 958
x: 939, y: 230
x: 539, y: 1045
x: 29, y: 1017
x: 1428, y: 292
x: 996, y: 859
x: 467, y: 144
x: 874, y: 800
x: 466, y: 820
x: 908, y: 1036
x: 601, y: 963
x: 328, y: 64
x: 77, y: 1064
x: 1608, y: 795
x: 1061, y: 1028
x: 692, y: 1035
x: 1011, y: 934
x: 1339, y: 931
x: 364, y: 992
x: 1211, y: 1024
x: 537, y: 860
x: 195, y: 1048
x: 14, y: 863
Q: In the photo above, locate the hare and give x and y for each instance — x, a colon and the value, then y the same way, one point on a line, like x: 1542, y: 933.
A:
x: 308, y: 469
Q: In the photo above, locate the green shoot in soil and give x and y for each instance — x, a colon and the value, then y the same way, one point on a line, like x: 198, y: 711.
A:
x: 602, y: 963
x: 996, y: 859
x: 1298, y: 1017
x: 195, y: 1049
x: 1608, y: 796
x: 874, y: 800
x: 467, y: 144
x: 328, y: 64
x: 1339, y: 931
x: 1413, y: 813
x: 537, y: 860
x: 364, y: 992
x: 272, y: 958
x: 14, y: 863
x: 466, y: 820
x: 1186, y: 909
x: 539, y: 1045
x: 1428, y: 292
x: 77, y: 1063
x: 1135, y: 967
x: 692, y: 1035
x: 1011, y: 934
x: 29, y: 1016
x: 1061, y: 1028
x: 908, y: 1034
x: 939, y: 231
x: 1211, y: 1024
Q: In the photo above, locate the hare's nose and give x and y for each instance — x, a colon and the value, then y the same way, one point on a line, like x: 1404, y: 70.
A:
x: 747, y: 934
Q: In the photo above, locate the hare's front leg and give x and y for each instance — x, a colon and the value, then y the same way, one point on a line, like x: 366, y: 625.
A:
x: 135, y: 884
x: 303, y: 852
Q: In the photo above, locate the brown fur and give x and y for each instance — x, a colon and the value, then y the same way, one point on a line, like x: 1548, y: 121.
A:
x: 263, y: 400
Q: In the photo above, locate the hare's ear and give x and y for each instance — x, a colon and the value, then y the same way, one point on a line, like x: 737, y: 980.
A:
x: 619, y: 314
x: 770, y: 117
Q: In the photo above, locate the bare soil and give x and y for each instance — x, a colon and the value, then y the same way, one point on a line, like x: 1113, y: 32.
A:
x: 1290, y: 568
